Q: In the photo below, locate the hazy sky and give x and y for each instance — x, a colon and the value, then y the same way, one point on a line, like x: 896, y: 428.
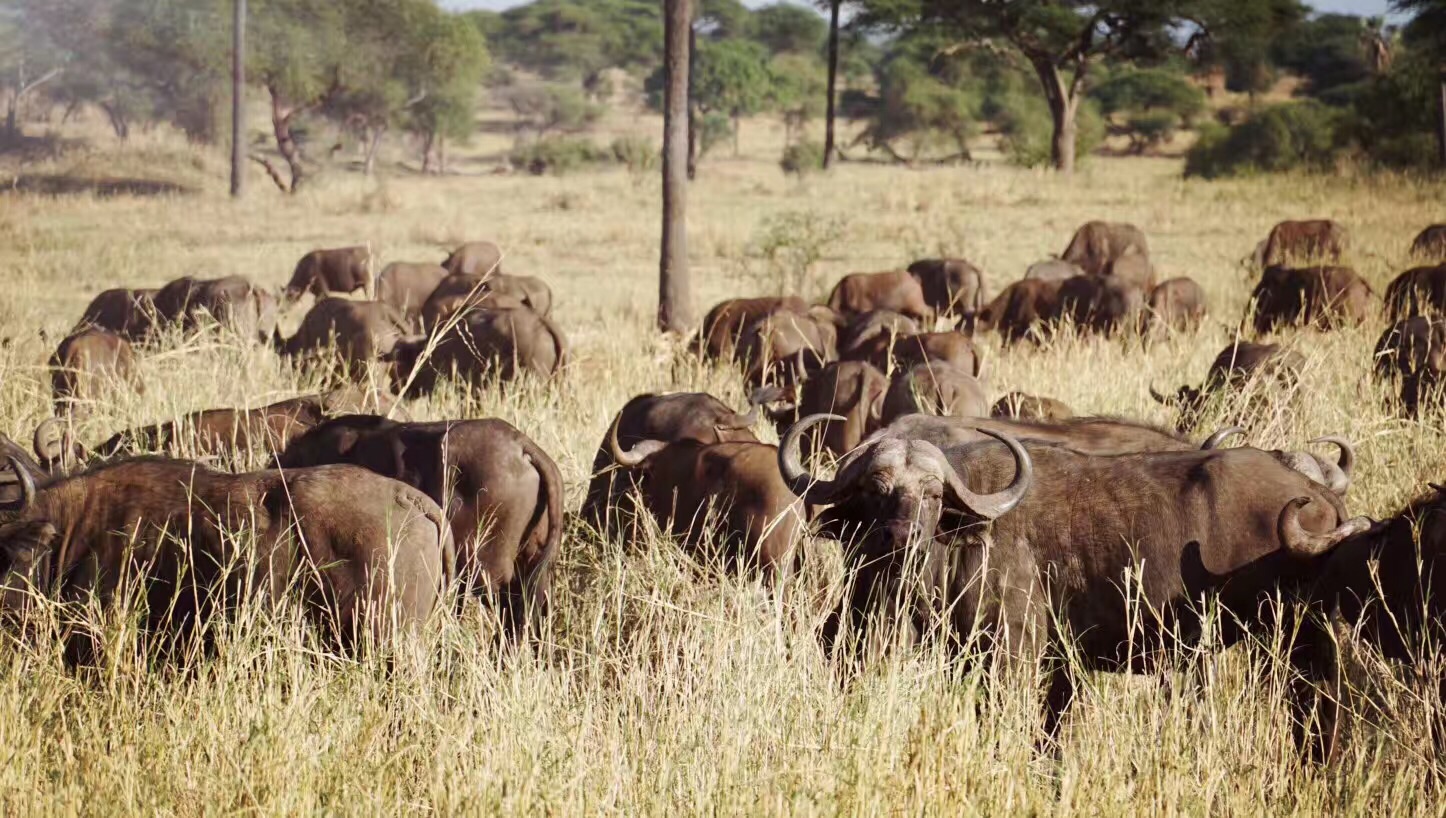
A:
x: 1363, y: 7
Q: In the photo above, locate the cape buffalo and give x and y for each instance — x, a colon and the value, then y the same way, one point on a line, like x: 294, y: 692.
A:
x: 501, y: 492
x: 667, y: 417
x: 1302, y: 242
x: 1087, y: 435
x: 475, y: 258
x: 683, y: 484
x: 1022, y: 406
x: 853, y: 390
x: 953, y: 348
x: 1418, y: 291
x: 1101, y: 304
x: 718, y: 335
x: 405, y: 287
x: 1057, y: 548
x: 530, y: 290
x: 1175, y: 305
x: 232, y: 302
x: 1233, y: 369
x: 784, y: 347
x: 1053, y: 270
x: 460, y: 292
x: 1320, y: 297
x: 934, y: 388
x: 950, y: 284
x: 323, y: 272
x: 895, y: 290
x: 86, y: 364
x: 1430, y: 244
x: 1096, y: 245
x: 1023, y: 309
x: 1135, y: 269
x: 131, y: 314
x: 867, y: 337
x: 368, y: 555
x: 500, y: 342
x: 360, y: 332
x: 1413, y: 352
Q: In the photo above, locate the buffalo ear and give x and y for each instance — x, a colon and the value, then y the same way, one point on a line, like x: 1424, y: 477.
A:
x: 24, y: 544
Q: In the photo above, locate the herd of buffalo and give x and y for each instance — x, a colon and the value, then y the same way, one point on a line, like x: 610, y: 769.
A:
x: 1010, y: 527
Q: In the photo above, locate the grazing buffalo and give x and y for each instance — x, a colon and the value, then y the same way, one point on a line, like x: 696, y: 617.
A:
x: 1053, y: 269
x: 951, y: 285
x: 1022, y: 406
x: 1236, y: 366
x: 1101, y: 305
x: 458, y: 293
x: 853, y: 390
x: 1045, y: 552
x: 897, y: 290
x: 670, y: 418
x: 530, y: 290
x: 953, y: 348
x: 232, y: 302
x: 1175, y: 305
x: 359, y: 331
x: 323, y: 272
x: 475, y: 258
x: 368, y: 556
x: 1413, y: 352
x: 867, y: 337
x: 1023, y: 309
x: 1418, y: 291
x: 1134, y: 269
x: 489, y: 342
x: 1096, y: 245
x: 784, y: 347
x: 1320, y: 297
x: 1430, y: 244
x: 934, y: 388
x: 131, y: 314
x: 725, y: 322
x: 1303, y: 242
x: 501, y: 492
x: 86, y: 365
x: 405, y: 287
x: 728, y: 495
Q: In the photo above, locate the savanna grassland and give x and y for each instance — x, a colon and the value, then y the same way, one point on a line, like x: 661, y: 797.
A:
x: 663, y: 684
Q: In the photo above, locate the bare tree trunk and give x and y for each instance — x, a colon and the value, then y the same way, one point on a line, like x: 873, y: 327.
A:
x: 427, y: 144
x: 674, y: 292
x: 23, y: 87
x: 1063, y: 107
x: 442, y: 154
x: 374, y: 143
x: 692, y: 109
x: 1441, y: 119
x: 238, y: 98
x: 737, y: 133
x: 830, y: 113
x: 281, y: 121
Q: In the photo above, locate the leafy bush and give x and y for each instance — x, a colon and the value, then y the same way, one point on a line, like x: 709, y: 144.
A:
x: 713, y: 130
x: 636, y: 154
x: 922, y: 109
x: 1151, y: 129
x: 802, y: 158
x: 1294, y: 136
x: 550, y: 108
x: 556, y: 155
x: 1152, y: 90
x: 1028, y: 129
x: 790, y: 245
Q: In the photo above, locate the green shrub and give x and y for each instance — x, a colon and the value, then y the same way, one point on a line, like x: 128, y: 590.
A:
x: 1294, y: 136
x: 636, y: 154
x: 802, y: 158
x: 556, y: 155
x: 1028, y: 129
x: 1151, y: 129
x: 713, y: 130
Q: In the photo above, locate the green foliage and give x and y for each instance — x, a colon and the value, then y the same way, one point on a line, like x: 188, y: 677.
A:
x: 1394, y: 115
x: 1294, y: 136
x: 1151, y: 129
x: 802, y: 158
x: 922, y: 109
x: 732, y: 77
x: 797, y: 90
x: 554, y: 107
x: 556, y: 155
x: 636, y: 154
x: 572, y: 39
x: 1150, y: 89
x: 786, y: 28
x: 790, y: 245
x: 1027, y: 129
x: 1326, y: 50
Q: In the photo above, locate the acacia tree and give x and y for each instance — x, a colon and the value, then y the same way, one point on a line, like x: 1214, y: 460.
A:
x: 732, y: 78
x: 1427, y: 31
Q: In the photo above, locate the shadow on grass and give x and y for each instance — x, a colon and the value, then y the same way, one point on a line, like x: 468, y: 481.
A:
x: 48, y: 184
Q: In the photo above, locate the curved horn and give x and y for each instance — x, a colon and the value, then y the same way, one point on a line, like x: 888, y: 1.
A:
x: 813, y: 490
x: 1220, y: 436
x: 1347, y: 459
x: 1159, y: 398
x: 48, y: 441
x: 638, y: 454
x: 738, y: 420
x: 27, y: 484
x: 993, y: 506
x: 1302, y: 543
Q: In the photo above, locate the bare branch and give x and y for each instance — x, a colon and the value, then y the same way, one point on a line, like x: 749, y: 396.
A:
x: 271, y: 171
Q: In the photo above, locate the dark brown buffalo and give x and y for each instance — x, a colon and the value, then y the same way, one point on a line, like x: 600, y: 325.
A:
x: 1045, y: 552
x: 1103, y: 305
x: 784, y: 347
x: 131, y: 314
x: 1096, y: 245
x: 853, y: 390
x: 953, y: 348
x: 475, y: 258
x: 359, y: 331
x: 1302, y: 242
x: 1320, y: 297
x: 1237, y: 366
x: 1053, y: 269
x: 501, y: 343
x: 728, y: 495
x: 406, y: 287
x: 323, y: 272
x: 86, y: 365
x: 501, y: 492
x: 670, y: 418
x: 232, y: 302
x: 1087, y: 435
x: 951, y: 285
x: 1176, y: 305
x: 367, y: 555
x: 935, y: 388
x: 1135, y: 269
x: 725, y: 322
x: 897, y: 291
x: 1430, y: 244
x: 1023, y: 309
x: 1418, y: 291
x: 1021, y: 406
x: 1413, y: 353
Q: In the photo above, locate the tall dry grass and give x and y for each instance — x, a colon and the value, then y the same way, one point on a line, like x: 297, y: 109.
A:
x: 664, y: 685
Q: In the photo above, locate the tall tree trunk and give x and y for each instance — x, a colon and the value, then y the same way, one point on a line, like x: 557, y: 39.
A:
x: 1441, y: 119
x: 238, y: 98
x: 737, y: 132
x: 374, y: 143
x: 427, y: 143
x: 442, y: 154
x: 281, y: 121
x: 1063, y: 107
x: 828, y: 132
x: 674, y: 292
x: 692, y: 109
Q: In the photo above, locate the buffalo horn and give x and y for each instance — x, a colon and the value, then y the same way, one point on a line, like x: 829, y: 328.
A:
x: 1347, y: 459
x: 993, y: 506
x: 27, y: 484
x: 1220, y: 436
x: 814, y: 490
x: 738, y: 420
x: 1159, y: 398
x: 637, y: 454
x: 1301, y: 543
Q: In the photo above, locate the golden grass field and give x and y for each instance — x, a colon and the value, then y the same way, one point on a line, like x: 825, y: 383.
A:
x: 663, y: 685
